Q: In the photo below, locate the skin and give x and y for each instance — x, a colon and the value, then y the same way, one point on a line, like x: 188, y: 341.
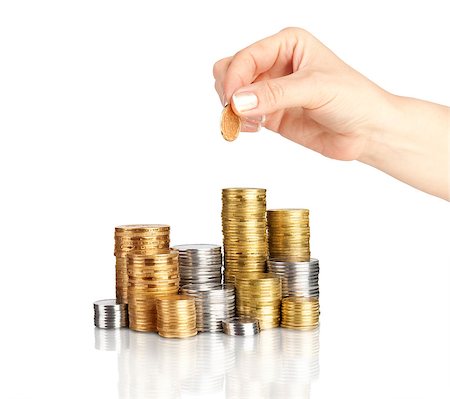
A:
x: 300, y: 89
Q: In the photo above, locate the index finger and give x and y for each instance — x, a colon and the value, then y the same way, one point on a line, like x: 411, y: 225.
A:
x: 254, y: 60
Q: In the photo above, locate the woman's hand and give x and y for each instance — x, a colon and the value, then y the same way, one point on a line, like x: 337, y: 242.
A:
x: 303, y: 91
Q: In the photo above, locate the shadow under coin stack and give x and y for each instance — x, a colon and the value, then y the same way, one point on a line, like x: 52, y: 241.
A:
x: 150, y: 277
x: 176, y: 316
x: 258, y: 296
x: 244, y: 228
x: 213, y: 305
x: 200, y: 264
x: 289, y: 258
x: 138, y: 239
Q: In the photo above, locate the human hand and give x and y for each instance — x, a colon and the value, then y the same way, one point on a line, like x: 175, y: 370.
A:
x: 303, y: 91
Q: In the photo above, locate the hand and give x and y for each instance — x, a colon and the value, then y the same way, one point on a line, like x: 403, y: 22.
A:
x: 303, y: 91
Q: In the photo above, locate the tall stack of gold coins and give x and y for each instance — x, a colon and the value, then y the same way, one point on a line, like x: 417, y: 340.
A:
x: 258, y: 295
x: 150, y: 277
x: 138, y: 239
x: 289, y: 234
x: 244, y: 228
x: 300, y: 313
x: 176, y: 316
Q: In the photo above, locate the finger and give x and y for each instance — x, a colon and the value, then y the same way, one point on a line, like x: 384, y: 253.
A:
x: 219, y: 70
x: 258, y: 58
x: 265, y: 97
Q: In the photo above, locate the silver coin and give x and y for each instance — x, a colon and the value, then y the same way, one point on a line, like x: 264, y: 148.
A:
x: 241, y: 326
x: 110, y: 314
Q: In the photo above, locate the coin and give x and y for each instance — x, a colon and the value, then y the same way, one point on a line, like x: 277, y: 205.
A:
x: 230, y: 124
x: 289, y: 234
x: 258, y: 295
x: 298, y: 278
x: 200, y: 263
x: 150, y: 277
x: 244, y: 230
x: 300, y: 313
x: 213, y: 303
x: 108, y: 314
x: 176, y: 316
x: 241, y: 326
x: 137, y: 239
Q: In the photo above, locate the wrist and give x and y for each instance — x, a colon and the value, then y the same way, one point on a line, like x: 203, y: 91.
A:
x: 385, y: 132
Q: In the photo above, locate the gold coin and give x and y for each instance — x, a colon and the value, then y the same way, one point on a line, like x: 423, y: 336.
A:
x: 230, y: 124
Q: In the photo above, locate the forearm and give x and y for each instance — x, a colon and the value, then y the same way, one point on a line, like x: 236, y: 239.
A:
x: 411, y: 143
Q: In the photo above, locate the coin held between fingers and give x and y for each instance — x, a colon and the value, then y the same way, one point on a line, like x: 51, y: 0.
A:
x: 230, y: 124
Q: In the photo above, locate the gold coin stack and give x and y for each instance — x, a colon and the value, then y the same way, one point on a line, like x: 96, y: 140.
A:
x: 150, y: 277
x: 300, y: 313
x: 244, y: 228
x: 139, y: 239
x: 176, y: 316
x: 258, y: 295
x: 289, y: 234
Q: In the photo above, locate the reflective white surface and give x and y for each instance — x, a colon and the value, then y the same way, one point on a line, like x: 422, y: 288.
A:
x: 278, y: 363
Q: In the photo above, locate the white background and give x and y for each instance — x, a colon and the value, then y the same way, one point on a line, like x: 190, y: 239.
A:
x: 108, y: 116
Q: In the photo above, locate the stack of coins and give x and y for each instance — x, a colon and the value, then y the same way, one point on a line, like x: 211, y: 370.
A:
x: 138, y: 239
x: 241, y: 326
x: 150, y: 277
x: 289, y: 234
x: 176, y: 316
x: 200, y: 264
x: 110, y: 314
x: 300, y: 313
x: 297, y: 278
x: 213, y: 305
x: 259, y: 296
x: 244, y: 228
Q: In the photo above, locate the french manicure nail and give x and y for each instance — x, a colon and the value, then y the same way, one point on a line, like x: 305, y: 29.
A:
x: 245, y: 101
x: 223, y: 99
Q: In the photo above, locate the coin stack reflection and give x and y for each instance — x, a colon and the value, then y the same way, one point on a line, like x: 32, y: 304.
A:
x: 300, y: 313
x: 244, y: 230
x: 150, y: 277
x: 289, y: 234
x: 257, y: 366
x: 297, y: 278
x: 213, y: 305
x: 200, y: 264
x: 176, y: 316
x: 258, y: 295
x: 139, y: 239
x: 212, y: 361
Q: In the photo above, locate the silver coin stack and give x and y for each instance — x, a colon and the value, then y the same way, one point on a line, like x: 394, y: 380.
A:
x: 200, y: 264
x: 297, y: 278
x: 241, y: 326
x: 213, y: 304
x: 110, y: 314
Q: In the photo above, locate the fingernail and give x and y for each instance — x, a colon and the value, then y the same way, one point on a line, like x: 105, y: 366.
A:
x: 249, y: 124
x: 223, y: 99
x: 259, y: 120
x: 245, y: 101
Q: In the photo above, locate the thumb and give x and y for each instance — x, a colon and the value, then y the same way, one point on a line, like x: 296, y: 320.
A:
x: 267, y: 96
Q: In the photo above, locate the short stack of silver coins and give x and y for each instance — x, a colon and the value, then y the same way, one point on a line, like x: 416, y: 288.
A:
x: 213, y: 303
x: 110, y: 314
x: 200, y: 264
x: 297, y: 278
x: 241, y: 326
